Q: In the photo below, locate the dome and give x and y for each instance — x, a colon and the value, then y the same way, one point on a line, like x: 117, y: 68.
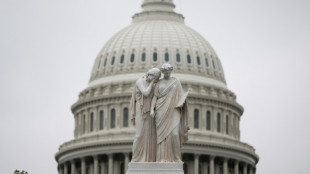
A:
x: 154, y: 38
x: 103, y: 135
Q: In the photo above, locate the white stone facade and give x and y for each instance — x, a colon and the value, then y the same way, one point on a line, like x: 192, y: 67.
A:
x: 103, y: 134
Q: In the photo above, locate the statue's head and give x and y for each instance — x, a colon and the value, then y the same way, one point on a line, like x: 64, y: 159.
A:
x: 166, y: 69
x: 153, y: 73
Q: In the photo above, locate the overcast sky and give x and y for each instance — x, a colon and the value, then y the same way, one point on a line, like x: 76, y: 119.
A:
x: 48, y: 47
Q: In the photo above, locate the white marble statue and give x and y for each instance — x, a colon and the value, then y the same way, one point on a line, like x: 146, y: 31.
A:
x: 144, y: 145
x: 169, y: 106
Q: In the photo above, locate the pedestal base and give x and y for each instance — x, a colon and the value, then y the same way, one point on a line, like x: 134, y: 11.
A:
x: 155, y: 168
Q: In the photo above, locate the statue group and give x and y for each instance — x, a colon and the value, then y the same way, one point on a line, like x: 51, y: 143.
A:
x: 160, y: 113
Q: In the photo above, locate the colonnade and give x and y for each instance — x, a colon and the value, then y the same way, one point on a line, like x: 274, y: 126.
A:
x: 118, y: 164
x: 97, y: 164
x: 209, y: 164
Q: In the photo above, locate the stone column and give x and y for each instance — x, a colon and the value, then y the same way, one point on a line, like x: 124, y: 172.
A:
x: 126, y: 161
x: 110, y: 167
x: 196, y: 164
x: 66, y: 168
x: 72, y: 167
x: 250, y: 170
x: 83, y: 166
x: 245, y: 169
x: 211, y: 163
x: 102, y: 164
x: 96, y: 168
x: 236, y: 168
x: 60, y: 169
x: 225, y: 166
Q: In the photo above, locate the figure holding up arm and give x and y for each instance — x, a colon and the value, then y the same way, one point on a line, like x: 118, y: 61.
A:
x: 144, y: 145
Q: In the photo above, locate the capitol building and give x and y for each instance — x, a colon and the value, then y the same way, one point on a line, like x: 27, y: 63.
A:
x: 103, y: 133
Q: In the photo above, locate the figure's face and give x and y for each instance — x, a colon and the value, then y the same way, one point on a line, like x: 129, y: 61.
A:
x: 167, y: 73
x: 150, y: 77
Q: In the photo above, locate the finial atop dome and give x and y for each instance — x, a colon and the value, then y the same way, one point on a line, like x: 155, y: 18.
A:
x: 158, y: 10
x: 158, y: 5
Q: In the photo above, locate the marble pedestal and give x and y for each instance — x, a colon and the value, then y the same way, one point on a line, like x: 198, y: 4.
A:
x: 155, y: 168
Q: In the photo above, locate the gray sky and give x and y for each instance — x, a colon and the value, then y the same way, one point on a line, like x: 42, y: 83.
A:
x: 47, y: 49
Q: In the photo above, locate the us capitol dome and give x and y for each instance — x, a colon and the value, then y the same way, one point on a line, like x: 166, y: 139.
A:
x: 103, y: 134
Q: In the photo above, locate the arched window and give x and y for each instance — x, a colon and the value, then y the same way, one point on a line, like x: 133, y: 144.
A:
x: 178, y: 57
x: 227, y: 125
x: 132, y: 58
x: 154, y: 56
x: 91, y: 121
x: 196, y: 118
x: 207, y: 63
x: 213, y: 64
x: 112, y: 118
x: 105, y: 62
x: 125, y: 117
x: 84, y: 124
x: 198, y: 60
x: 101, y: 114
x: 99, y: 64
x: 208, y: 120
x: 189, y: 59
x: 218, y: 122
x: 143, y: 57
x: 122, y: 59
x: 167, y: 57
x: 113, y: 59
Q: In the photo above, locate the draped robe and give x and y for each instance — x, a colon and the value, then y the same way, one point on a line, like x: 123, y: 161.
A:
x: 171, y: 115
x: 144, y: 145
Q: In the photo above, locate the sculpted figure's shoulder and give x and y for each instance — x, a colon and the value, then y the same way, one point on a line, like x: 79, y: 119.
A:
x: 139, y: 81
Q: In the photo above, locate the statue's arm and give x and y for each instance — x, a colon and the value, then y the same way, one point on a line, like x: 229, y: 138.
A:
x: 144, y: 91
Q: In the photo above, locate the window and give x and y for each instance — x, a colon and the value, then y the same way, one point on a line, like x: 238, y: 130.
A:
x: 99, y: 64
x: 101, y: 115
x: 122, y: 59
x: 113, y: 59
x: 154, y: 56
x: 207, y: 63
x: 227, y: 125
x: 84, y: 125
x: 208, y: 120
x: 196, y: 118
x: 178, y: 58
x: 91, y: 121
x: 213, y: 64
x: 143, y: 57
x: 105, y: 62
x: 125, y: 117
x: 189, y: 59
x: 112, y: 118
x: 167, y: 57
x: 198, y: 60
x: 132, y: 58
x: 218, y: 122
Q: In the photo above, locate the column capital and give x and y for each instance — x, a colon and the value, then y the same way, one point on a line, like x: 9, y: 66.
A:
x: 196, y: 155
x: 109, y: 154
x: 225, y: 159
x: 95, y: 156
x: 212, y: 157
